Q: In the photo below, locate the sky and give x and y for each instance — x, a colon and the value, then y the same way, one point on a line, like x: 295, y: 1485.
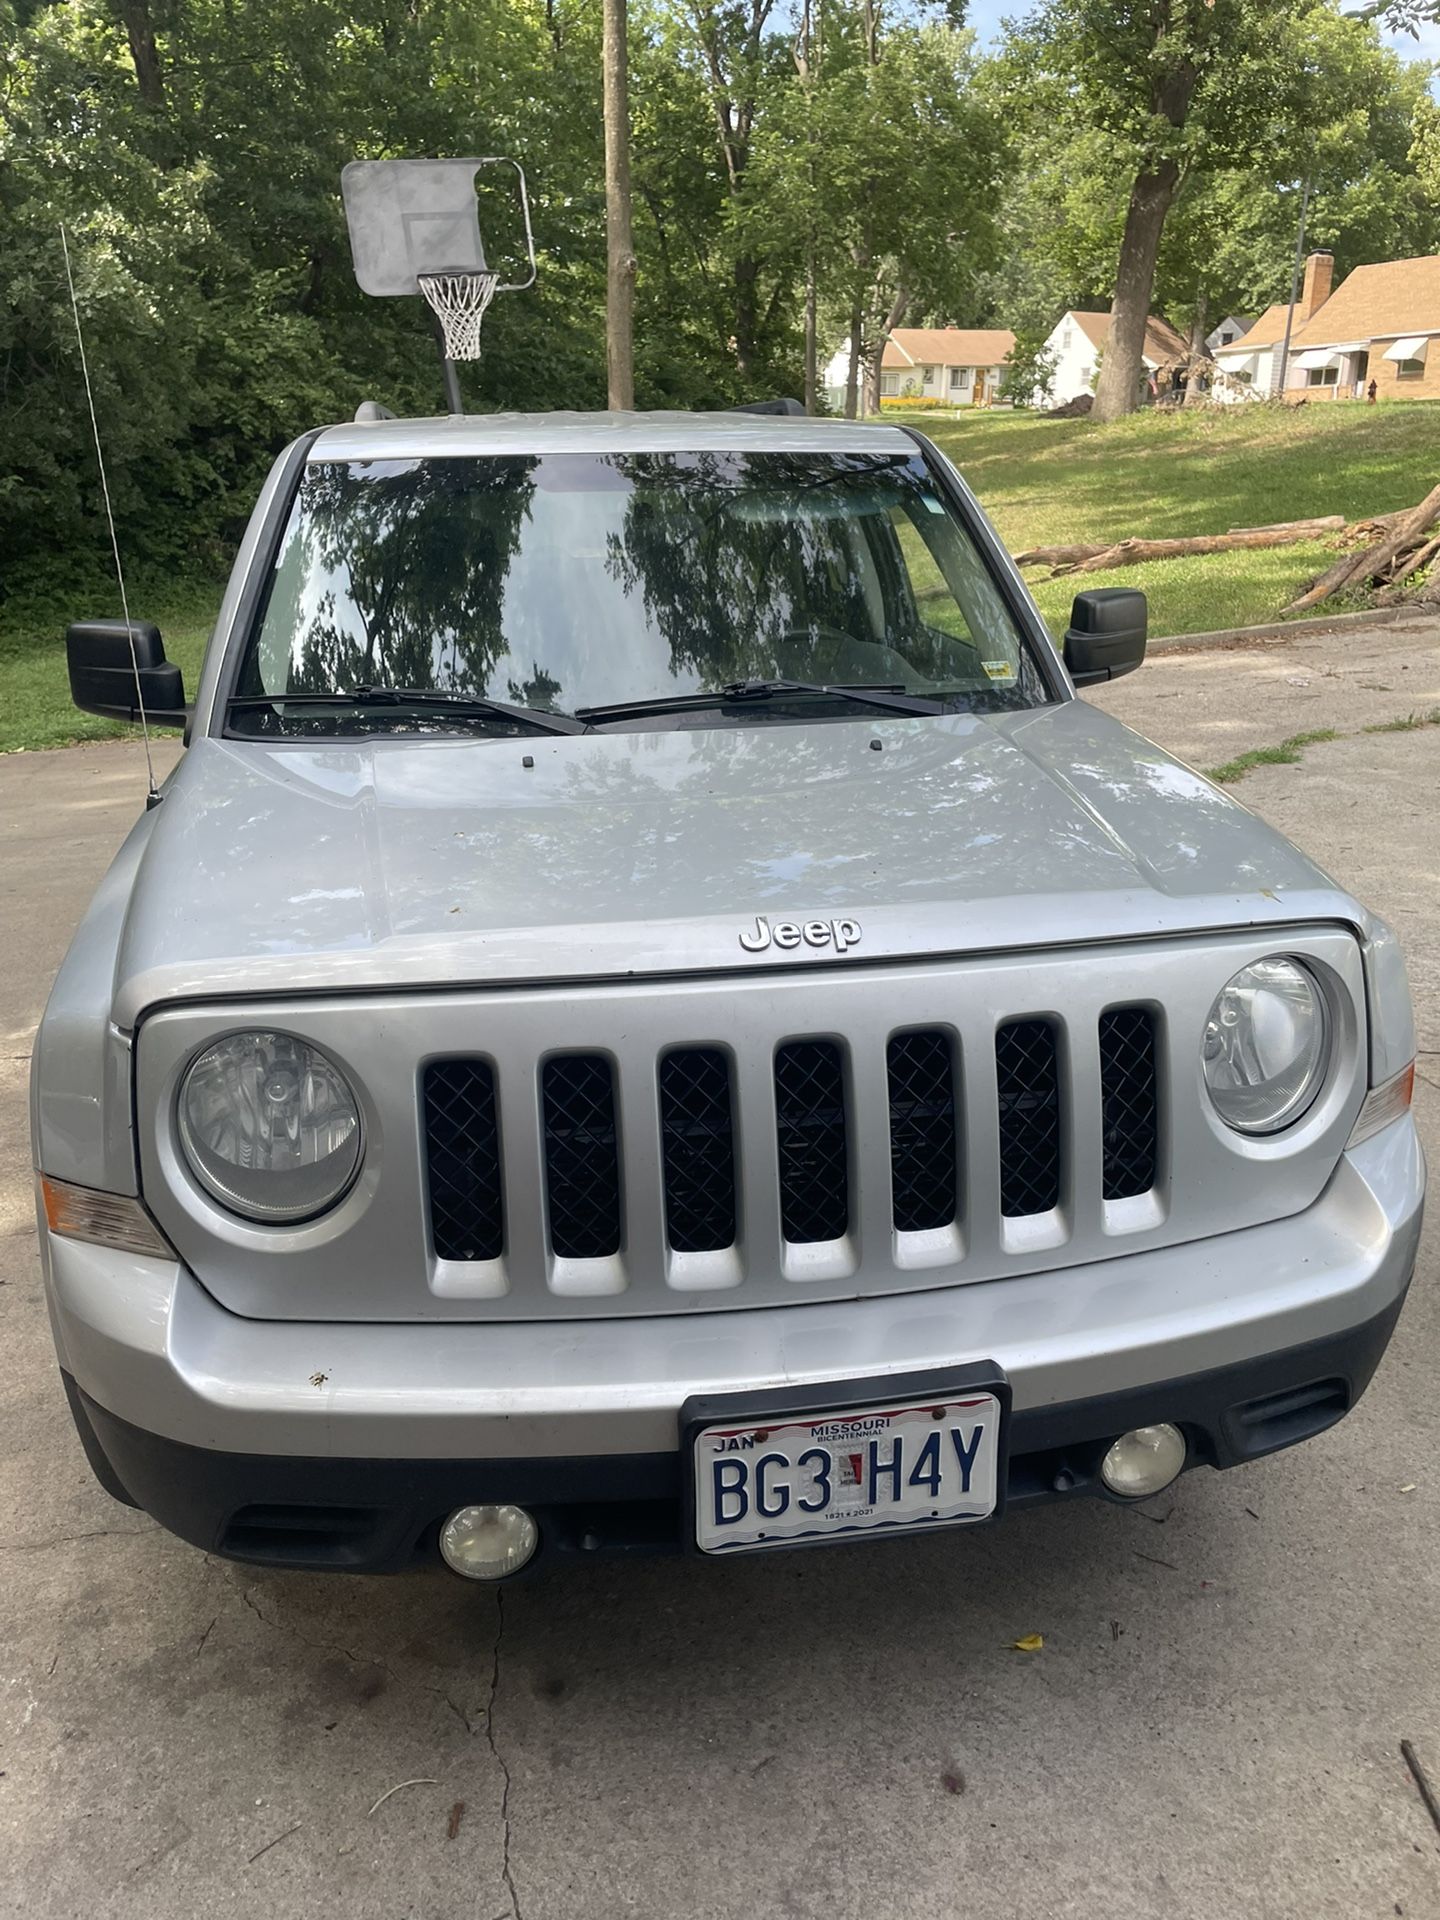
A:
x: 985, y: 17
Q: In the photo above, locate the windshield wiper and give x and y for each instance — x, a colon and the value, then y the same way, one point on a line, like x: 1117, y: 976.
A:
x: 434, y: 697
x: 738, y: 692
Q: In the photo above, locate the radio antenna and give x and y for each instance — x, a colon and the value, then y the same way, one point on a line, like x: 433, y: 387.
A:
x: 152, y: 792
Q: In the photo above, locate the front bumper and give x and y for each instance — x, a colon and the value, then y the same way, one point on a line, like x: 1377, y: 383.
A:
x: 344, y: 1445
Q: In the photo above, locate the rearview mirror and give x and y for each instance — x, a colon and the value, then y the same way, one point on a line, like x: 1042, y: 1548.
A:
x: 1107, y: 634
x: 104, y: 671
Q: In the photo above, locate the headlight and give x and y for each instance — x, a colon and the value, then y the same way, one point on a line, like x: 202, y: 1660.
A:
x: 1266, y: 1046
x: 269, y: 1126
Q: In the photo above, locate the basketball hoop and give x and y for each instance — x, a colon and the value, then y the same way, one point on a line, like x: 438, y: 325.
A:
x: 415, y: 228
x: 459, y: 302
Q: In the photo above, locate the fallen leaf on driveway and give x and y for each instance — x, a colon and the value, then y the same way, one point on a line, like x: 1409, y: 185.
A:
x: 1029, y: 1643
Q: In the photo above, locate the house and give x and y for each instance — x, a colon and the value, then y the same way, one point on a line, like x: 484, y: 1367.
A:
x: 945, y: 366
x: 1076, y: 341
x: 1382, y: 323
x: 1253, y: 360
x: 1230, y: 329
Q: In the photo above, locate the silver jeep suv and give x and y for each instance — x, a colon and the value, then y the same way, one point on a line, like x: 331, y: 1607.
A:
x: 651, y: 1015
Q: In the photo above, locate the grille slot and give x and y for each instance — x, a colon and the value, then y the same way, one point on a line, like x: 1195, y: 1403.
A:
x: 1028, y: 1097
x: 1128, y: 1101
x: 923, y: 1167
x: 462, y: 1146
x: 810, y: 1133
x: 582, y: 1166
x: 697, y: 1143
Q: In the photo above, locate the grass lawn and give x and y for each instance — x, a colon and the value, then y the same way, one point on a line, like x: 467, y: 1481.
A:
x: 1042, y: 481
x: 1159, y: 474
x: 35, y: 709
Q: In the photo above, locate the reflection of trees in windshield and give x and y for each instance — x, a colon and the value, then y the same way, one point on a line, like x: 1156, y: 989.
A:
x: 415, y: 556
x: 748, y: 574
x: 570, y: 579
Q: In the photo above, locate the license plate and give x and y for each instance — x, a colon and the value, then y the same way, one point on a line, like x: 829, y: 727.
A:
x: 893, y: 1466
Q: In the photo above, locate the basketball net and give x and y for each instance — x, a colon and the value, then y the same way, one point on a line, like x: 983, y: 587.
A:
x: 459, y: 301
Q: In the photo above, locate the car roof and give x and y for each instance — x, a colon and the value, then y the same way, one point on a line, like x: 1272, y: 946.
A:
x: 458, y: 435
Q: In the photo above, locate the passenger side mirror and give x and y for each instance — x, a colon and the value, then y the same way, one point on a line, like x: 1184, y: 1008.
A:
x: 1107, y: 634
x: 103, y: 672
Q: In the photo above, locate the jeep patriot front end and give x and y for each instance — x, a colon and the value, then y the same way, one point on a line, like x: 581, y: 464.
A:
x: 650, y: 1014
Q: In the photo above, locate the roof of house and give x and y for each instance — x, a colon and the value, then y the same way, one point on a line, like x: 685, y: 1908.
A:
x: 948, y: 347
x: 1162, y: 342
x: 1391, y: 298
x: 1268, y: 331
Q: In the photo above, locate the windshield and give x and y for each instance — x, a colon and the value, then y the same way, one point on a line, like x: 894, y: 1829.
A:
x: 564, y: 581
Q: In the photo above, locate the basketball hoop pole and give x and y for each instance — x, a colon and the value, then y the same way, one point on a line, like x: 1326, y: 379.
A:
x: 449, y: 372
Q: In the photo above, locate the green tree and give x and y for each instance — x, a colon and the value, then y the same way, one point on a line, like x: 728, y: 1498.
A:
x: 1171, y: 86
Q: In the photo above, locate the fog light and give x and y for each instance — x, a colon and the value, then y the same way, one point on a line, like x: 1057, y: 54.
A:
x: 1143, y: 1461
x: 486, y: 1543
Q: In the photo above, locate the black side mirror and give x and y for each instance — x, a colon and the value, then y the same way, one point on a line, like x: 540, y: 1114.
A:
x: 1107, y: 634
x: 103, y: 671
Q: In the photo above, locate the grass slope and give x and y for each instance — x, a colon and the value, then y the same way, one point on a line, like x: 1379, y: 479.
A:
x: 1161, y: 474
x: 1042, y: 481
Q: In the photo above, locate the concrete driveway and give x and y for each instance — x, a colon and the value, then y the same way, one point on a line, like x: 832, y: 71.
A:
x: 1211, y: 1729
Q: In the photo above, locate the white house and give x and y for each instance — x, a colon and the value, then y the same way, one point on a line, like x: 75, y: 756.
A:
x: 1077, y: 338
x: 1251, y: 360
x: 1229, y: 330
x: 947, y: 366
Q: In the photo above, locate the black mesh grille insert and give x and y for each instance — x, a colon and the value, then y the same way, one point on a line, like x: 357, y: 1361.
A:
x: 810, y: 1125
x: 922, y: 1131
x: 582, y: 1167
x: 1028, y: 1089
x: 1127, y: 1098
x: 698, y: 1149
x: 462, y: 1148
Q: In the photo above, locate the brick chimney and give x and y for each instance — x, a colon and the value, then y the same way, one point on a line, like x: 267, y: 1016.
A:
x: 1319, y: 272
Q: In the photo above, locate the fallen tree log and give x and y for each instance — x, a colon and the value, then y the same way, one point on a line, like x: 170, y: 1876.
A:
x: 1373, y: 564
x: 1097, y: 556
x: 1405, y: 569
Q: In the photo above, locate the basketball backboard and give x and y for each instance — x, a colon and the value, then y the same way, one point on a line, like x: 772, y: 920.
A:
x: 414, y: 217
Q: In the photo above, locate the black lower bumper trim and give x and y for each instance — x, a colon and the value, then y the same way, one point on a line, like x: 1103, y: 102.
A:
x: 380, y: 1516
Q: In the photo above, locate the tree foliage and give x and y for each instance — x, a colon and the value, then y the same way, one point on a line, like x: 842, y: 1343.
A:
x: 855, y: 156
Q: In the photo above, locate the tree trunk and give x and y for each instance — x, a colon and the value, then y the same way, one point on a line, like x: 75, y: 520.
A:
x: 852, y: 371
x: 1373, y: 563
x: 1098, y: 556
x: 1198, y: 356
x: 747, y: 274
x: 1117, y: 392
x: 877, y: 352
x: 619, y: 240
x: 140, y: 31
x: 811, y: 381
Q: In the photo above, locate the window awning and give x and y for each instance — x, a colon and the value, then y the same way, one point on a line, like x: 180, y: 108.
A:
x: 1238, y: 363
x: 1411, y: 349
x: 1317, y: 357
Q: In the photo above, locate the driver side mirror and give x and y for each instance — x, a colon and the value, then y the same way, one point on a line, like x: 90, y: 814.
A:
x: 1107, y: 634
x: 106, y: 658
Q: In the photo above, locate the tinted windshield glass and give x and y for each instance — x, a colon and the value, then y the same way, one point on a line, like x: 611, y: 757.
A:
x: 565, y: 581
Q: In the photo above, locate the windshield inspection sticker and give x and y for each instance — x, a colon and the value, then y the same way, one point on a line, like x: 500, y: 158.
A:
x: 998, y: 669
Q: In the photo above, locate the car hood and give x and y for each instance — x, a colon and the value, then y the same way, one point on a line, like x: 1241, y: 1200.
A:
x: 423, y: 863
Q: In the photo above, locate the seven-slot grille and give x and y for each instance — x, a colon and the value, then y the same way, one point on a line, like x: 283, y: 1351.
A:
x: 815, y: 1146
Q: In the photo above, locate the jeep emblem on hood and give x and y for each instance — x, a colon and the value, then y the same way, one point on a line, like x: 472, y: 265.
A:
x: 789, y: 934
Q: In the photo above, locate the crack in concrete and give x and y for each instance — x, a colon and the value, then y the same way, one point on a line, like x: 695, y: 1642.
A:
x: 355, y: 1659
x: 69, y: 1539
x: 506, y: 1873
x: 200, y: 1643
